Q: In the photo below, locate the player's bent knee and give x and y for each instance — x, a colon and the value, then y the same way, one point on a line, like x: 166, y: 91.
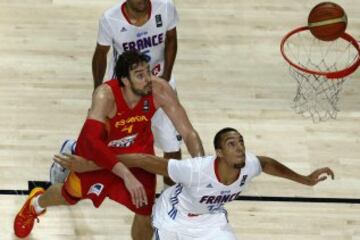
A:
x: 71, y: 190
x: 146, y: 219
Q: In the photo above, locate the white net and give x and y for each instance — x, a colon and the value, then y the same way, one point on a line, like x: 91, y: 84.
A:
x: 317, y: 95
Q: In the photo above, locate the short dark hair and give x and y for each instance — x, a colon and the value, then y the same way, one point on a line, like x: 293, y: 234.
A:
x: 219, y: 134
x: 126, y: 62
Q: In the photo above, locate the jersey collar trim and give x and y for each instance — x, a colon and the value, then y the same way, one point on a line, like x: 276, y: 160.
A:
x: 123, y: 11
x: 216, y: 169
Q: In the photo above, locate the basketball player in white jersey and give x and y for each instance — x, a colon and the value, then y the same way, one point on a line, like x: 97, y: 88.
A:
x: 148, y: 26
x: 194, y: 207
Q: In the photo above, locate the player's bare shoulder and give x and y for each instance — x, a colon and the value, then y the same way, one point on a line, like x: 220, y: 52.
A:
x: 103, y: 93
x: 103, y: 101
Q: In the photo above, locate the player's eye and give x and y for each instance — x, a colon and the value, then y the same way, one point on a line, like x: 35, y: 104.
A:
x: 140, y: 76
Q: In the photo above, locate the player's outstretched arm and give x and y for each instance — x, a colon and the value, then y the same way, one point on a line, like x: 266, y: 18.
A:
x: 275, y: 168
x: 165, y: 97
x: 150, y: 163
x: 75, y: 163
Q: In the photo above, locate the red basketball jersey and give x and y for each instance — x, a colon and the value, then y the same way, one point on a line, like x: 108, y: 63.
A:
x: 130, y: 129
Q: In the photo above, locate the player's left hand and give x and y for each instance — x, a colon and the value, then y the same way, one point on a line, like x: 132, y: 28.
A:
x: 319, y: 175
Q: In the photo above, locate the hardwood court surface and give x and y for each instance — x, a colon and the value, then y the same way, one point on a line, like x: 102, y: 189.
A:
x: 229, y: 72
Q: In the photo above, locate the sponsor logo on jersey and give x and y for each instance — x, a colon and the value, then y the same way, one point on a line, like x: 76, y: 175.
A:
x: 144, y: 42
x: 96, y: 189
x: 146, y: 106
x: 140, y: 34
x: 243, y: 180
x: 123, y: 29
x: 123, y: 142
x: 218, y: 199
x: 158, y: 20
x: 130, y: 120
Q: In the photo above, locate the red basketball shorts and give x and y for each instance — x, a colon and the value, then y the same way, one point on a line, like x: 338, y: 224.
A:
x: 98, y: 185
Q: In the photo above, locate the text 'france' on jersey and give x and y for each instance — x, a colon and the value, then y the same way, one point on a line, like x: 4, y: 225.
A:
x: 115, y: 30
x: 198, y: 192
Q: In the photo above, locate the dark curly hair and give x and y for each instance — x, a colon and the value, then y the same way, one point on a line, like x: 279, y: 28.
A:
x: 127, y: 61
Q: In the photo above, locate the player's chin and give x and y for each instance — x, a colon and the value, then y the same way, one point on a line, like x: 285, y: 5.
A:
x: 146, y: 92
x: 239, y: 165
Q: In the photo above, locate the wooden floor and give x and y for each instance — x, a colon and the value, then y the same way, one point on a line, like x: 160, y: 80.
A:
x: 229, y: 73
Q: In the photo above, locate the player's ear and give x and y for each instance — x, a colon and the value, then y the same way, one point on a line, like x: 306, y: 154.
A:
x: 125, y: 81
x: 219, y: 153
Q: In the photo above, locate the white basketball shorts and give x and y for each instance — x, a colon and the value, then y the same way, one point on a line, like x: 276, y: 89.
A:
x: 224, y: 232
x: 165, y: 135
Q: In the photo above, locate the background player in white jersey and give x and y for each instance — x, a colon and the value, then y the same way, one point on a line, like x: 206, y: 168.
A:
x: 194, y: 207
x: 148, y: 26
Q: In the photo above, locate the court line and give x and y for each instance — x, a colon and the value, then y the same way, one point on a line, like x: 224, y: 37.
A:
x: 32, y: 184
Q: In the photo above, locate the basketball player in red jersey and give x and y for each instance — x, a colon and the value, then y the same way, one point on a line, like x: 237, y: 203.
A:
x: 119, y: 121
x: 148, y: 26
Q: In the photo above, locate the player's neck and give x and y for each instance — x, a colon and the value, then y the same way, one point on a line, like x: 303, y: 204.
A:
x: 137, y: 18
x: 226, y: 174
x: 130, y: 97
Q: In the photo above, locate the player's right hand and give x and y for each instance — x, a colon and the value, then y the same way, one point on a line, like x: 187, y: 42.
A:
x: 319, y: 175
x: 75, y: 163
x: 136, y: 190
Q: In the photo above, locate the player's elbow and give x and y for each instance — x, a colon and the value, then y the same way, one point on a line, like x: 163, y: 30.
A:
x: 190, y: 136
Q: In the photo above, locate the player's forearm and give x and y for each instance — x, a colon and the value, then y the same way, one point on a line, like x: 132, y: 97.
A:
x: 99, y: 63
x: 147, y: 162
x: 170, y: 55
x: 121, y: 170
x: 275, y: 168
x: 89, y: 166
x: 150, y: 163
x: 194, y: 144
x: 91, y: 144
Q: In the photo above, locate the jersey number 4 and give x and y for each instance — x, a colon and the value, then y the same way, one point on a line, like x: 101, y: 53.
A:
x: 128, y: 128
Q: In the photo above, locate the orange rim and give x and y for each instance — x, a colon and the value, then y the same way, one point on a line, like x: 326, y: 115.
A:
x: 331, y: 75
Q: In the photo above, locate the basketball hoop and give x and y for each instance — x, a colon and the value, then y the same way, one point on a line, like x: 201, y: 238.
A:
x: 320, y: 69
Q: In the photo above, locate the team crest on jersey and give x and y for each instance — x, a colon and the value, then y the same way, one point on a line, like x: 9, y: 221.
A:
x: 243, y: 180
x: 146, y: 106
x: 123, y: 142
x: 96, y: 189
x: 158, y: 20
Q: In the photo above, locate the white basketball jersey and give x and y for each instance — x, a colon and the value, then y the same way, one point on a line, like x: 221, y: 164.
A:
x: 197, y: 200
x: 116, y: 31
